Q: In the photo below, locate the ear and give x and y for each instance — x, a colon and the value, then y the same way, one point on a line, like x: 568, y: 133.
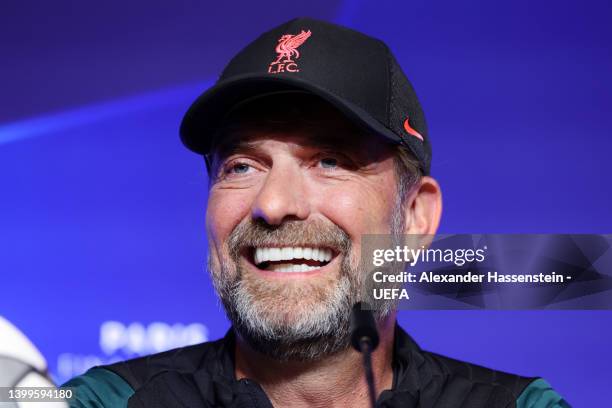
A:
x: 424, y: 208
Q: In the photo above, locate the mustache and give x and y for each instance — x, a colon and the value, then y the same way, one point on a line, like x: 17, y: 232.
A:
x: 258, y: 233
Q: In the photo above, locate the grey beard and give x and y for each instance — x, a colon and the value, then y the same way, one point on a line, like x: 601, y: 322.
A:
x: 321, y: 330
x: 316, y: 333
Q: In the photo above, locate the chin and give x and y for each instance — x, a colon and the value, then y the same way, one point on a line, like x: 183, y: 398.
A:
x: 287, y: 302
x: 291, y: 309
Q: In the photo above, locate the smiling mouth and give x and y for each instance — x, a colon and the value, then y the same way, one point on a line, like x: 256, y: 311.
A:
x: 291, y: 259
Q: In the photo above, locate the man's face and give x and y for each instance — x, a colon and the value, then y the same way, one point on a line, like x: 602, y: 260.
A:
x: 285, y: 217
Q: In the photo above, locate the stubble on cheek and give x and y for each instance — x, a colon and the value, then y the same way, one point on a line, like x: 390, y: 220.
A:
x: 222, y: 268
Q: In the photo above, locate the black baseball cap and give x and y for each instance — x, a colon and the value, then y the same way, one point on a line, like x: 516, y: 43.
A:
x: 356, y: 73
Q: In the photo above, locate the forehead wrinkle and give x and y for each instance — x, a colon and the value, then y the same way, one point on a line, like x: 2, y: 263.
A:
x: 324, y: 139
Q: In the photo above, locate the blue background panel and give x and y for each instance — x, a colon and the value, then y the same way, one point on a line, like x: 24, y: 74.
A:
x: 102, y: 210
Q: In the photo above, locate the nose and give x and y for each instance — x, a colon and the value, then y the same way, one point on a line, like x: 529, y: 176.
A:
x: 282, y: 196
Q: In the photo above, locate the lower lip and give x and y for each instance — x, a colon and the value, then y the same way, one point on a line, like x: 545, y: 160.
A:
x: 291, y: 275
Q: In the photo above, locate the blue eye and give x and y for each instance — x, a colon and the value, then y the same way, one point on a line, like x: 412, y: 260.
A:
x: 241, y: 168
x: 329, y: 163
x: 238, y: 168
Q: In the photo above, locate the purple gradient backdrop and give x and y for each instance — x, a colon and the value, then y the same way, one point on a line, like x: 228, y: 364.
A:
x: 102, y: 210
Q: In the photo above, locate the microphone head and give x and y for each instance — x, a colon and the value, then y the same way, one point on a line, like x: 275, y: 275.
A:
x: 363, y: 327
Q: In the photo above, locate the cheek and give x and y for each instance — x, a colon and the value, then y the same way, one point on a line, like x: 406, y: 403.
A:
x: 357, y: 210
x: 225, y: 210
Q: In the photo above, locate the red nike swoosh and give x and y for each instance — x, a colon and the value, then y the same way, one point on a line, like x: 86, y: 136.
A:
x: 411, y: 131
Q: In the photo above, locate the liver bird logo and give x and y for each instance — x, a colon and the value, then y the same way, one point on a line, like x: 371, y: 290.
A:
x: 288, y: 53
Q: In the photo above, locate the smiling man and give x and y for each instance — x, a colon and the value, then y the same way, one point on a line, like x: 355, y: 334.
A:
x: 312, y: 137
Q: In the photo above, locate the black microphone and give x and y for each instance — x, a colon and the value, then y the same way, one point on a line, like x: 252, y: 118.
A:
x: 364, y: 338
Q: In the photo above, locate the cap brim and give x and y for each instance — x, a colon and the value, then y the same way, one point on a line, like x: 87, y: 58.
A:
x: 206, y: 113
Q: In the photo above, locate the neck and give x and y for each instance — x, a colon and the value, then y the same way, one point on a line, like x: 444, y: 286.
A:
x: 333, y: 381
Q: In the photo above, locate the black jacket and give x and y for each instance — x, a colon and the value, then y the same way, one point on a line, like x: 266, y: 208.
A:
x: 203, y: 376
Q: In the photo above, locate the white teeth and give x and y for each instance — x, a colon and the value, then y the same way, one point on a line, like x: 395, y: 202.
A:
x: 322, y: 255
x: 290, y: 268
x: 298, y: 253
x: 315, y: 254
x: 288, y: 253
x: 275, y: 254
x: 307, y: 253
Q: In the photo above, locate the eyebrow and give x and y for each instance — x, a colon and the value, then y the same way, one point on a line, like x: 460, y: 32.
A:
x: 233, y: 143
